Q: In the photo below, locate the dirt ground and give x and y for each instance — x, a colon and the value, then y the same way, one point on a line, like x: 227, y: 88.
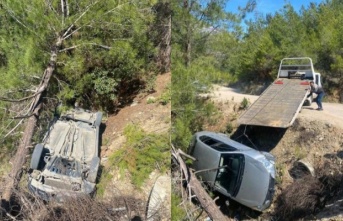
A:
x: 315, y: 137
x: 151, y: 117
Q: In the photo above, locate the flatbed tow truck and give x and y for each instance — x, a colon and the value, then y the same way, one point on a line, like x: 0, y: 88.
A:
x: 279, y: 105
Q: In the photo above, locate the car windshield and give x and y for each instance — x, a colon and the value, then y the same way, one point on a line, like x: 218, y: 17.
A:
x: 229, y: 174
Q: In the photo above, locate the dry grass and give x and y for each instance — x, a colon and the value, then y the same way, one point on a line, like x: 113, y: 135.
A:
x: 308, y: 195
x: 25, y: 206
x: 301, y: 198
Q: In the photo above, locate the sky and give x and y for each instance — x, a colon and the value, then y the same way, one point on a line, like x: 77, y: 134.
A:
x: 269, y: 6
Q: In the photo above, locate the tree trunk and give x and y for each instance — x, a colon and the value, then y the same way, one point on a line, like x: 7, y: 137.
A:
x: 162, y: 29
x: 165, y: 48
x: 19, y: 158
x: 188, y: 48
x: 195, y: 186
x: 188, y: 45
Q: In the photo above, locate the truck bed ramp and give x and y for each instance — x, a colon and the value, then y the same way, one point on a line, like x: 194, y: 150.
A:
x: 278, y: 105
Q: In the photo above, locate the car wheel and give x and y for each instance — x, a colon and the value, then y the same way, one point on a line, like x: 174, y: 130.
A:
x: 36, y: 155
x: 93, y: 171
x: 98, y: 119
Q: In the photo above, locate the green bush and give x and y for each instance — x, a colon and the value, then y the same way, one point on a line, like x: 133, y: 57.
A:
x: 142, y: 153
x: 166, y: 95
x: 229, y: 128
x: 244, y: 104
x: 177, y: 212
x: 189, y: 114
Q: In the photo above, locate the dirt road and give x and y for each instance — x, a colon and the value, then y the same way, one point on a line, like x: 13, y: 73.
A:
x: 332, y: 114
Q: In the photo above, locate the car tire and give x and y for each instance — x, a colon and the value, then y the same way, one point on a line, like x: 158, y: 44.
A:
x: 98, y: 119
x: 93, y: 171
x: 36, y: 155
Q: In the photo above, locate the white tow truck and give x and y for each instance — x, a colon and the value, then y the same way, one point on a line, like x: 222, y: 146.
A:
x: 280, y: 103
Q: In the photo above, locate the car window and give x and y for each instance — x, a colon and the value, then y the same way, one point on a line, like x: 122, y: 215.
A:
x: 216, y: 144
x: 229, y: 177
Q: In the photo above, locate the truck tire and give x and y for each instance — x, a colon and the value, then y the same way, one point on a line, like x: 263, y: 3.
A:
x: 93, y: 170
x: 98, y: 119
x: 36, y: 155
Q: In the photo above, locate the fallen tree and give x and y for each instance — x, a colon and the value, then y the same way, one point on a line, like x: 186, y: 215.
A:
x: 19, y: 158
x: 195, y: 186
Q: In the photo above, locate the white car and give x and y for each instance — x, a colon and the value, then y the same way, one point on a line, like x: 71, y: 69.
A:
x: 233, y: 169
x: 67, y: 160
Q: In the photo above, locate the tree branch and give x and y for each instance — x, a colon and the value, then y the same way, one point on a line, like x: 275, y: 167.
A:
x: 22, y: 117
x: 72, y: 33
x: 118, y: 6
x: 13, y: 129
x: 22, y: 99
x: 76, y: 46
x: 62, y: 8
x: 72, y: 25
x: 12, y: 14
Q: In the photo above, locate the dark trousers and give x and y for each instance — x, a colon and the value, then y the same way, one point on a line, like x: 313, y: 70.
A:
x: 319, y: 100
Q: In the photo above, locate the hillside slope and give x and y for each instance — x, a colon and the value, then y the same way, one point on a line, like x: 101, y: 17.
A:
x: 151, y: 117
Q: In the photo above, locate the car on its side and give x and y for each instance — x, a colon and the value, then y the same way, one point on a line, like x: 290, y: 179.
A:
x: 233, y: 169
x: 67, y: 160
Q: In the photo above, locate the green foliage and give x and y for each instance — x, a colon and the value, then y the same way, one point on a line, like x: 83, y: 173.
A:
x: 166, y: 95
x: 150, y: 83
x: 299, y: 152
x: 177, y: 212
x: 104, y: 43
x: 107, y: 44
x: 151, y: 100
x: 229, y: 128
x: 253, y: 56
x: 244, y: 104
x: 280, y: 172
x: 104, y: 84
x: 105, y: 178
x: 141, y: 154
x: 189, y: 113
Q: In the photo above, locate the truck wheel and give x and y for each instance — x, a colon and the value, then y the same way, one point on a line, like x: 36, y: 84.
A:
x: 98, y: 119
x: 36, y: 155
x: 93, y: 170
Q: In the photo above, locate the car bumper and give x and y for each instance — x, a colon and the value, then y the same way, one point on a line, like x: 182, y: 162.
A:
x: 48, y: 193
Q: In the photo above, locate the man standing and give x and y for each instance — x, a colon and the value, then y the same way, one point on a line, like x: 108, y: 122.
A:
x: 314, y: 88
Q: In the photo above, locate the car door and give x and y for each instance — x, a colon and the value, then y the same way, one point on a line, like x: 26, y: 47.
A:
x: 229, y: 176
x: 207, y: 159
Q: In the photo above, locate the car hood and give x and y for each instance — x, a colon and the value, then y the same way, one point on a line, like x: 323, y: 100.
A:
x: 254, y: 185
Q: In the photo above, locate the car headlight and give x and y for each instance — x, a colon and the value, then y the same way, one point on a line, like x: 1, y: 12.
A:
x: 270, y: 166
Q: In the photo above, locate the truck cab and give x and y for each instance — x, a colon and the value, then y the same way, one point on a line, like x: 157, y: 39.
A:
x: 299, y: 68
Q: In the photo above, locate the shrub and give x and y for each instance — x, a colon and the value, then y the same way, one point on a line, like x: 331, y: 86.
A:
x: 25, y: 206
x: 165, y: 96
x: 244, y: 104
x: 177, y: 212
x: 229, y: 128
x: 142, y: 153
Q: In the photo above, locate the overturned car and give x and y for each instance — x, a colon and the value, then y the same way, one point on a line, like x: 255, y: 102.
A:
x: 233, y: 169
x: 67, y: 160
